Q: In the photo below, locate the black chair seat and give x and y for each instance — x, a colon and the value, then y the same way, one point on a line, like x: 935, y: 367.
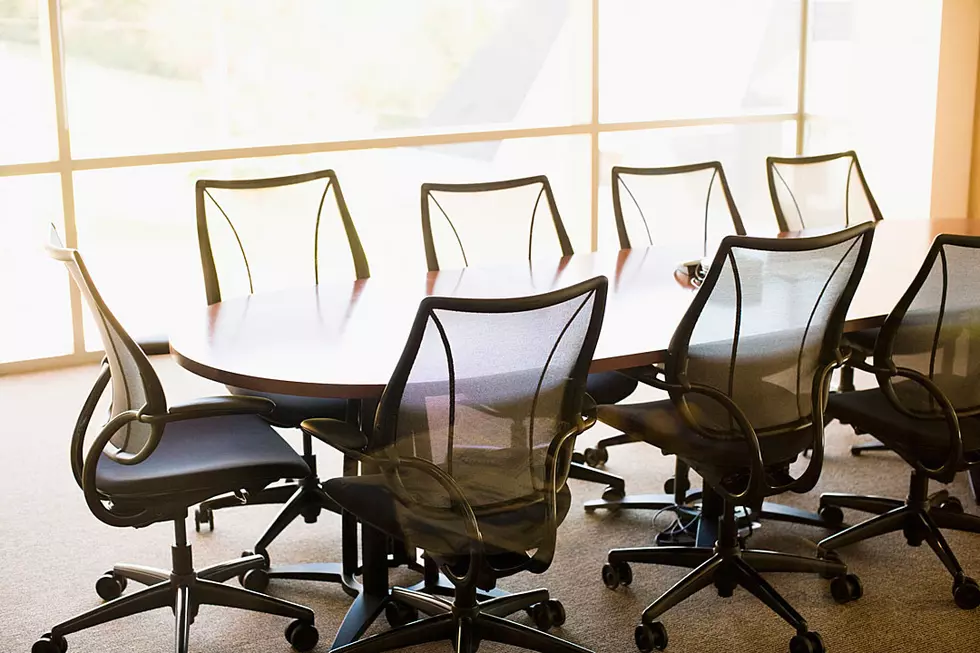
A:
x: 610, y: 387
x: 925, y: 440
x: 210, y: 456
x: 291, y: 410
x: 660, y: 424
x: 514, y: 530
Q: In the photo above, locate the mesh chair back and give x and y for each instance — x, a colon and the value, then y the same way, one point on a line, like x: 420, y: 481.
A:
x: 935, y: 330
x: 690, y: 205
x: 492, y: 222
x: 768, y: 317
x: 135, y: 385
x: 827, y: 191
x: 266, y: 234
x: 484, y: 387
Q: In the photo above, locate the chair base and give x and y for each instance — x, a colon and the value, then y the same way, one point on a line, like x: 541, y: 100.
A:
x: 183, y: 590
x: 726, y: 566
x: 920, y: 518
x: 464, y: 626
x: 871, y: 445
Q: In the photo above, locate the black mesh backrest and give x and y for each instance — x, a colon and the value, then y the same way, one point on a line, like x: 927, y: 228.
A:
x: 483, y: 387
x: 766, y: 320
x: 491, y: 222
x: 135, y: 385
x: 826, y: 191
x: 267, y: 234
x: 689, y: 204
x: 935, y: 330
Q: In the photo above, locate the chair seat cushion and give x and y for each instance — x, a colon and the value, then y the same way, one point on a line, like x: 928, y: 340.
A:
x: 291, y: 409
x: 210, y: 455
x: 914, y: 439
x: 442, y: 533
x: 660, y: 424
x: 610, y: 387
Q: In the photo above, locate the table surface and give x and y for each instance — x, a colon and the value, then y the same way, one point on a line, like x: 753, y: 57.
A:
x: 343, y: 339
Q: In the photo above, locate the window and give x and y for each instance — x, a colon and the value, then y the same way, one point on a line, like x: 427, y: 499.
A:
x: 391, y: 94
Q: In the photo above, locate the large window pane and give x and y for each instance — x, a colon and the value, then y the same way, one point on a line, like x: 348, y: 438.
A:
x: 188, y: 75
x: 34, y: 293
x: 661, y: 59
x: 871, y: 87
x: 136, y: 225
x: 742, y: 150
x: 27, y: 126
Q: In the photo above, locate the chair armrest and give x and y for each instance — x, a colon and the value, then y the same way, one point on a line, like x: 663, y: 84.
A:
x: 340, y: 435
x: 213, y: 407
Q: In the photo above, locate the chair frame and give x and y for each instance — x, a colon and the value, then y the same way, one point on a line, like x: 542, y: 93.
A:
x: 432, y: 258
x: 727, y: 564
x: 921, y: 515
x: 212, y: 285
x: 719, y: 174
x: 465, y: 620
x: 772, y: 173
x: 182, y: 588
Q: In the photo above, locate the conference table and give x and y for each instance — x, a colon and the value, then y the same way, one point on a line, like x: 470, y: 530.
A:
x: 342, y: 340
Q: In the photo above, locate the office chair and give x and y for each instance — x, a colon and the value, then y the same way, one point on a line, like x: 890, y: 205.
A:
x: 456, y: 480
x: 499, y: 216
x: 669, y: 206
x: 928, y: 393
x: 150, y: 462
x: 267, y: 234
x: 826, y: 191
x: 748, y: 372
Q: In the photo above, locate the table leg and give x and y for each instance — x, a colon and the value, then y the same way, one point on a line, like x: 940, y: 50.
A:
x: 374, y: 595
x: 974, y: 477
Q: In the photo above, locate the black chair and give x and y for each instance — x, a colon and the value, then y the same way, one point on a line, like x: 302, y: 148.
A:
x: 267, y: 234
x: 688, y: 204
x: 748, y: 374
x: 150, y: 462
x: 826, y: 191
x: 925, y: 408
x: 458, y: 480
x: 497, y: 215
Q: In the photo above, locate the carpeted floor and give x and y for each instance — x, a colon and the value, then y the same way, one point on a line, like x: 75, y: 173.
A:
x: 53, y: 549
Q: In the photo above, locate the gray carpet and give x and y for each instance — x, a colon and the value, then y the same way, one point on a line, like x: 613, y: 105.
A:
x: 52, y: 550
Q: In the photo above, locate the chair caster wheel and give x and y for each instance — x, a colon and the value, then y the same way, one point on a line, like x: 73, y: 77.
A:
x: 953, y: 505
x: 398, y: 614
x: 809, y: 642
x: 832, y: 516
x: 596, y: 457
x: 49, y: 643
x: 650, y: 637
x: 110, y: 586
x: 966, y: 593
x: 256, y: 580
x: 616, y: 574
x: 613, y: 494
x: 302, y: 635
x: 846, y: 588
x: 203, y: 516
x: 547, y: 614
